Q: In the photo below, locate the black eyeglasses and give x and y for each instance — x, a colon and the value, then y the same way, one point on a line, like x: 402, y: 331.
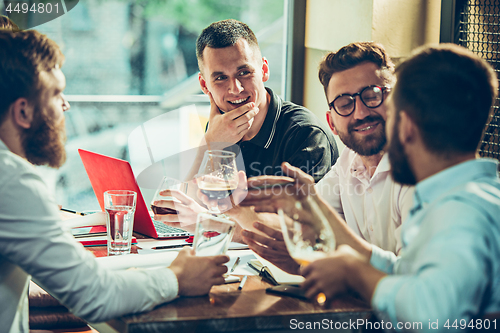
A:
x: 371, y: 96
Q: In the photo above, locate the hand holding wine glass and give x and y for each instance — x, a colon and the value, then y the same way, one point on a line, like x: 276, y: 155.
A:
x: 171, y: 204
x: 307, y: 233
x: 164, y: 205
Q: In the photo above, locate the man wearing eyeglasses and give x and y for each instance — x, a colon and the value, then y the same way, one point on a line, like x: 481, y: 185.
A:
x: 357, y: 79
x: 447, y: 278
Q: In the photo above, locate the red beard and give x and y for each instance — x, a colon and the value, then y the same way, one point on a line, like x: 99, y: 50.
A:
x: 43, y: 142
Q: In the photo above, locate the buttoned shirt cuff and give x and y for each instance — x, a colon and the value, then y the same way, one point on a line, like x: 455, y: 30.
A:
x: 168, y: 286
x: 383, y: 260
x: 384, y: 297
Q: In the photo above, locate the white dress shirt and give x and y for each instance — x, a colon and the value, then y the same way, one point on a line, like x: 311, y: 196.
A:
x: 373, y: 207
x: 34, y: 241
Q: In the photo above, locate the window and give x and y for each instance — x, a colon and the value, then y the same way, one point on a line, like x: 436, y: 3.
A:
x: 130, y: 62
x: 474, y: 24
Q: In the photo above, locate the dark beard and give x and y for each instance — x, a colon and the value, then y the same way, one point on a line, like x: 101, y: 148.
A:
x: 43, y: 142
x: 400, y: 168
x: 369, y: 145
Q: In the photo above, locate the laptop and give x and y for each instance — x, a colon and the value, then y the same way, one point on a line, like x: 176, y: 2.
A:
x: 108, y: 173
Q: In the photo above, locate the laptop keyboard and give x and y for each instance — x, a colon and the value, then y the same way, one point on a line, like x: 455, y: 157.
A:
x: 162, y: 228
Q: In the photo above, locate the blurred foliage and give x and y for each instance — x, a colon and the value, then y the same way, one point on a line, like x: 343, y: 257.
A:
x: 195, y: 15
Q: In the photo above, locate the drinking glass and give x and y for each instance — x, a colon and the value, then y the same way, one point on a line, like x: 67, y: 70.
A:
x: 120, y: 209
x: 217, y: 177
x: 307, y: 234
x: 212, y: 235
x: 172, y: 184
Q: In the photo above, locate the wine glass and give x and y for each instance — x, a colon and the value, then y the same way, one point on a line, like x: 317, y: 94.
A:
x: 171, y: 184
x: 307, y: 234
x: 217, y: 177
x: 212, y: 235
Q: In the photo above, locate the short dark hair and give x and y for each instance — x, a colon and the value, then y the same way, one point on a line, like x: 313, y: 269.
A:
x: 6, y: 23
x: 448, y: 92
x: 223, y: 34
x: 23, y: 56
x: 352, y: 55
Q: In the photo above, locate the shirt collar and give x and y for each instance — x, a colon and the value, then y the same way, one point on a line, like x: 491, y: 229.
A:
x: 268, y: 129
x: 3, y: 146
x: 358, y: 169
x: 431, y: 188
x: 384, y: 165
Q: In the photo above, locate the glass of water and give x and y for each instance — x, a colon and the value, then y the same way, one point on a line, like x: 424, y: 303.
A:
x: 212, y: 235
x: 120, y: 210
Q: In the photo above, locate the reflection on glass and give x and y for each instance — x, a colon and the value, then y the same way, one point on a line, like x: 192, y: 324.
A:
x: 217, y: 177
x: 212, y: 235
x: 119, y: 51
x: 307, y: 234
x: 172, y: 184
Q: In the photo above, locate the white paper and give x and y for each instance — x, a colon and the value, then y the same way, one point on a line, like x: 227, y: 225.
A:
x: 242, y: 268
x: 152, y: 260
x: 98, y: 218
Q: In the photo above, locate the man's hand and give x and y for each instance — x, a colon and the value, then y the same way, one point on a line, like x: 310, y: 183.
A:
x: 270, y: 247
x: 196, y: 275
x: 297, y: 185
x: 186, y: 207
x: 231, y: 126
x: 268, y: 193
x: 344, y: 270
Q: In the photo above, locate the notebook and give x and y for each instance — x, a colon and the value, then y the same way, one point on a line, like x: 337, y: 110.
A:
x: 108, y: 173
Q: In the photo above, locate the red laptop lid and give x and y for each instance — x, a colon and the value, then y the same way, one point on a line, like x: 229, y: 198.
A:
x: 108, y: 173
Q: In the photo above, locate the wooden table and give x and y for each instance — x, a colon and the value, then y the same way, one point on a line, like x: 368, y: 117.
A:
x: 226, y: 309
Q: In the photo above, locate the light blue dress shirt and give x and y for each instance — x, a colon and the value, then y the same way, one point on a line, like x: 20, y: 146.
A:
x: 449, y: 268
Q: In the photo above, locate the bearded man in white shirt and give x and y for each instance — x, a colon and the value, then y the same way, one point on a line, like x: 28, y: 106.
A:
x: 448, y: 271
x: 34, y: 242
x: 357, y: 79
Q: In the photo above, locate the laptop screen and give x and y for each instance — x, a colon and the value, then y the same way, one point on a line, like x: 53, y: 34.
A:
x: 108, y: 173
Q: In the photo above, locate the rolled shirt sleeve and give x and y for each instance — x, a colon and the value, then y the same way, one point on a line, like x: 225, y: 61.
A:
x: 383, y: 260
x: 34, y: 238
x: 445, y: 272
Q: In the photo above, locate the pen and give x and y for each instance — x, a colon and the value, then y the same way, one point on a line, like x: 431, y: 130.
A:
x: 253, y: 267
x: 235, y: 264
x: 242, y: 283
x: 72, y: 211
x: 170, y: 246
x: 266, y: 274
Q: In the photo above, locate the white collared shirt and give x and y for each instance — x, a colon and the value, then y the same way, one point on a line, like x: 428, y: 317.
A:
x: 373, y: 208
x: 34, y: 241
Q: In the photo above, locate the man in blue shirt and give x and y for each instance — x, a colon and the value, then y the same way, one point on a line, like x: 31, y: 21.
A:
x: 448, y: 274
